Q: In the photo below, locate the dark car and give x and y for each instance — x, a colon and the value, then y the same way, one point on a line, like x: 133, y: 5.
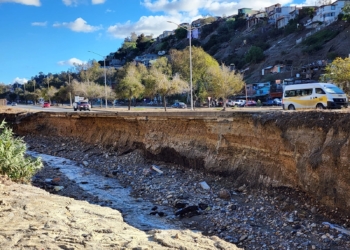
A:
x: 269, y: 103
x: 84, y: 106
x: 179, y: 105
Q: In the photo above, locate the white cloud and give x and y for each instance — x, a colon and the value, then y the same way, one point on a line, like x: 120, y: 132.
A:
x: 212, y: 7
x: 147, y: 25
x: 109, y: 11
x: 77, y: 2
x: 71, y: 62
x: 79, y: 25
x: 43, y: 24
x: 180, y: 11
x: 98, y: 1
x: 25, y: 2
x: 71, y: 2
x: 20, y: 80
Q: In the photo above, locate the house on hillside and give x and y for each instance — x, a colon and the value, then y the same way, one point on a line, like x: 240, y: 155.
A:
x: 165, y: 34
x: 272, y: 69
x: 255, y: 19
x: 146, y: 59
x: 270, y: 12
x: 329, y: 13
x: 284, y: 14
x: 247, y: 12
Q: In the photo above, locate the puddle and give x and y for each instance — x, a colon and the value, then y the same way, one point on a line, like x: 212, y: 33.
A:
x: 136, y: 212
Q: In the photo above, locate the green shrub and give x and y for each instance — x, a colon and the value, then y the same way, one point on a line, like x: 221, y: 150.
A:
x: 13, y: 161
x: 254, y: 55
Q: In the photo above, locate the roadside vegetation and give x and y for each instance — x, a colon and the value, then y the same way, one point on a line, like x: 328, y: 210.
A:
x: 13, y: 161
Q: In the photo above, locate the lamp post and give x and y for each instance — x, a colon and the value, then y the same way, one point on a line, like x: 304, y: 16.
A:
x: 189, y: 29
x: 104, y: 66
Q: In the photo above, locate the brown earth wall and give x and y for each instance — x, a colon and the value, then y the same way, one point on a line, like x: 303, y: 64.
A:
x: 307, y: 150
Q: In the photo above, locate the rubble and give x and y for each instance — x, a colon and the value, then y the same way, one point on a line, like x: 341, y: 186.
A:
x: 276, y: 218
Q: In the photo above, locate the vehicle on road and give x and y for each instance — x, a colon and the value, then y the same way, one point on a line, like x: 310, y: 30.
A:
x: 179, y: 105
x: 84, y: 106
x: 272, y: 102
x: 277, y: 102
x: 239, y: 103
x: 268, y: 102
x: 230, y: 103
x: 313, y: 95
x: 46, y: 105
x: 250, y: 103
x: 14, y: 104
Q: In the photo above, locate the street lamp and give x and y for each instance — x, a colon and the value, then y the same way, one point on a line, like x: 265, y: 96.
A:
x: 104, y: 66
x: 189, y: 29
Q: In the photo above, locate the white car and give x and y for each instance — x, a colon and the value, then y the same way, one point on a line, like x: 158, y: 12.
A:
x: 230, y: 103
x: 239, y: 103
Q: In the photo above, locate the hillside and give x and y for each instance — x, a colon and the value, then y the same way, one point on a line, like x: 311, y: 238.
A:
x: 279, y: 46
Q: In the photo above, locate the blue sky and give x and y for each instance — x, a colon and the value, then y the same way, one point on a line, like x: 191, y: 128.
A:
x: 50, y: 35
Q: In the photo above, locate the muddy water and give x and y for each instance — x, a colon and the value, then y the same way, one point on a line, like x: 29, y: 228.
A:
x: 136, y: 212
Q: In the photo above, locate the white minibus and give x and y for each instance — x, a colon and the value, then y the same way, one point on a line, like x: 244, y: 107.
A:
x: 313, y: 95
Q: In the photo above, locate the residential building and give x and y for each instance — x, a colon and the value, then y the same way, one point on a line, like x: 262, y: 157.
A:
x: 256, y: 18
x: 146, y: 59
x: 166, y: 34
x: 329, y: 13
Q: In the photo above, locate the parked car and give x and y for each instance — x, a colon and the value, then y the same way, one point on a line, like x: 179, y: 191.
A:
x: 269, y: 102
x: 14, y: 104
x: 250, y: 103
x: 46, y: 105
x: 84, y: 106
x: 230, y: 103
x: 277, y: 102
x: 239, y: 103
x: 179, y: 105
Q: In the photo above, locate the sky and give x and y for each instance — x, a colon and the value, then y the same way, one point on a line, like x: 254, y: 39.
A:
x: 49, y: 36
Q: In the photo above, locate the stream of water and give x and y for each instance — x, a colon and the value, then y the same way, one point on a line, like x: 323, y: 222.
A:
x: 136, y: 212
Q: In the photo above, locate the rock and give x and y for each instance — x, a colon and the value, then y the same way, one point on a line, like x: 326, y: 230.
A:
x: 204, y: 185
x: 224, y: 194
x: 85, y: 163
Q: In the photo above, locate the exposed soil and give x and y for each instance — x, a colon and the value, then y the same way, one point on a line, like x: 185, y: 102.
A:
x: 277, y: 218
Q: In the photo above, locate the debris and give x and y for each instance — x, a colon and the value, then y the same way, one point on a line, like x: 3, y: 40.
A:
x: 336, y: 227
x: 204, y: 185
x: 58, y: 188
x: 157, y: 169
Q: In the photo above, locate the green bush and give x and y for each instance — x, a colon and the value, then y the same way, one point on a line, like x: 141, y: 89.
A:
x: 254, y: 55
x: 13, y: 161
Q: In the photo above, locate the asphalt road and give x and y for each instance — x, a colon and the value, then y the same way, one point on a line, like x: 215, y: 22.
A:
x: 67, y: 108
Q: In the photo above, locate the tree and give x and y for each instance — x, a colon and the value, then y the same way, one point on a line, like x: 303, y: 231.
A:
x: 201, y: 61
x: 130, y: 86
x: 254, y: 55
x: 180, y: 33
x: 164, y: 85
x: 225, y: 82
x: 339, y: 73
x: 13, y: 161
x: 346, y: 12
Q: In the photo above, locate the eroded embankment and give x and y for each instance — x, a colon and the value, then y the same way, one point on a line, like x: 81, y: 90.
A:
x: 305, y: 150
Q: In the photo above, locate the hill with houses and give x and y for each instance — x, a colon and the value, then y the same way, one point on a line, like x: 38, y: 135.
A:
x: 270, y: 46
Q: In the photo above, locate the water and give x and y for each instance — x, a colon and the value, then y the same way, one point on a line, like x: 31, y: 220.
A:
x: 136, y: 212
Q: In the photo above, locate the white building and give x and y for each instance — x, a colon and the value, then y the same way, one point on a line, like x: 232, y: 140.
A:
x: 329, y: 13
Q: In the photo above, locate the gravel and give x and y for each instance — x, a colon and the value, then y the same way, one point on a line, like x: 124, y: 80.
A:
x: 265, y: 218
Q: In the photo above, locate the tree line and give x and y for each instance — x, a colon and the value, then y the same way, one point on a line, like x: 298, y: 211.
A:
x: 168, y: 76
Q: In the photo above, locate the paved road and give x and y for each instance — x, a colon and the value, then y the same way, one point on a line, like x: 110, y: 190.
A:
x: 67, y: 108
